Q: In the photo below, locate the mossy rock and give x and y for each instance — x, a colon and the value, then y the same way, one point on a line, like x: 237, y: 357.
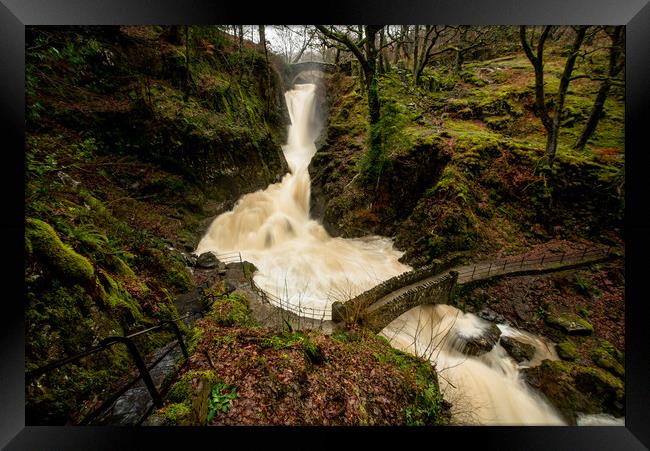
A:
x: 518, y: 350
x: 567, y: 350
x: 569, y: 323
x: 606, y: 361
x: 249, y: 269
x: 611, y: 350
x: 45, y: 242
x: 574, y: 388
x: 231, y: 310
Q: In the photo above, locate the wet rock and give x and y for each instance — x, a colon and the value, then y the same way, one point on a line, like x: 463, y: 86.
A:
x: 566, y: 350
x: 570, y: 324
x: 207, y: 260
x: 190, y: 259
x: 229, y: 286
x: 522, y: 309
x: 490, y: 315
x: 483, y: 343
x: 573, y: 388
x: 518, y: 350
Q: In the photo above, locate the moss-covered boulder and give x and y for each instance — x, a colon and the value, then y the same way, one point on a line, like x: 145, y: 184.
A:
x: 569, y: 323
x: 61, y: 258
x: 574, y: 388
x: 566, y: 350
x: 517, y: 349
x: 606, y: 361
x: 230, y: 310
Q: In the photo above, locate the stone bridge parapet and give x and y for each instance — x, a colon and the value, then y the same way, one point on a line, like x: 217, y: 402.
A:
x: 341, y: 311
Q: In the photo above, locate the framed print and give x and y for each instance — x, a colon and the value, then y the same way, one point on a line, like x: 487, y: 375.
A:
x: 434, y: 223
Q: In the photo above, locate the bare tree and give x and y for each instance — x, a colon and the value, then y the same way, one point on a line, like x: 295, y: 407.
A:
x: 551, y: 120
x: 365, y: 51
x: 430, y: 38
x: 616, y: 65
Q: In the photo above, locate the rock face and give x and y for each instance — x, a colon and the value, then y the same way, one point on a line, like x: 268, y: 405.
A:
x: 483, y: 343
x: 518, y: 350
x: 570, y: 324
x: 207, y: 260
x: 576, y: 388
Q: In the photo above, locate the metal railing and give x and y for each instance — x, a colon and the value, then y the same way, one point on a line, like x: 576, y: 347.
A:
x: 548, y: 260
x: 142, y: 367
x: 300, y: 310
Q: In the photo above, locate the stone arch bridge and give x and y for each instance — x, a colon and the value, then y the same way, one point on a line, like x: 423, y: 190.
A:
x: 297, y: 70
x: 434, y: 284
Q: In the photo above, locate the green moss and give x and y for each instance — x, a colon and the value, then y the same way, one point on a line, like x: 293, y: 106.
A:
x: 296, y: 340
x: 249, y: 269
x: 181, y: 391
x: 61, y: 257
x: 570, y: 323
x: 177, y: 414
x: 606, y: 361
x: 567, y: 350
x: 195, y: 336
x: 118, y: 298
x: 611, y: 350
x: 230, y: 310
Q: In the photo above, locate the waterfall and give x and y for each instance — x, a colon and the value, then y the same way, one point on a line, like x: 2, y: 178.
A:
x: 297, y: 261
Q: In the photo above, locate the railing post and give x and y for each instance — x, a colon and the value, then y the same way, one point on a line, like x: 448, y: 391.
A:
x: 562, y: 258
x: 505, y: 262
x: 542, y: 261
x: 179, y: 336
x: 489, y: 268
x: 473, y: 271
x: 521, y: 265
x: 144, y: 372
x: 584, y: 253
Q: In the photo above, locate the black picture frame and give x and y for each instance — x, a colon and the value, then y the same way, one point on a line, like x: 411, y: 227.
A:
x: 16, y: 14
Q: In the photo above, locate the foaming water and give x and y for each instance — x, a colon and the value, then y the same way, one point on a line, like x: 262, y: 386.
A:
x: 485, y: 389
x: 297, y: 260
x: 599, y: 419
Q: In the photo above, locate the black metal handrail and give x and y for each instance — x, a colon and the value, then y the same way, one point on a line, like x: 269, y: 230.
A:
x: 143, y: 369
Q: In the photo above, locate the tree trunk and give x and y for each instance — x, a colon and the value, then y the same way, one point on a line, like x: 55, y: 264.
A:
x: 187, y: 63
x: 614, y: 68
x: 267, y: 94
x: 398, y: 46
x: 382, y: 60
x: 460, y: 53
x: 416, y: 37
x: 564, y: 87
x: 370, y: 74
x: 241, y: 37
x: 174, y: 35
